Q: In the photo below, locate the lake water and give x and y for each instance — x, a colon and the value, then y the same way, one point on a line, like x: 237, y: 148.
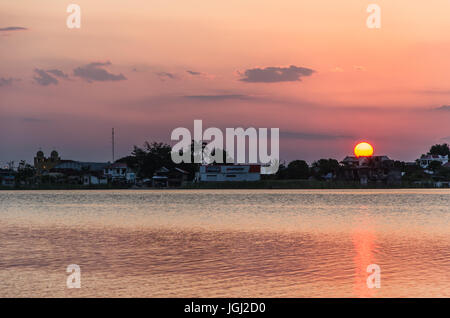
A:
x: 225, y: 243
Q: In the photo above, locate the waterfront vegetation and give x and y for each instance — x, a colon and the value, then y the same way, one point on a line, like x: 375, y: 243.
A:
x: 302, y: 184
x: 65, y: 186
x: 262, y: 184
x: 297, y: 174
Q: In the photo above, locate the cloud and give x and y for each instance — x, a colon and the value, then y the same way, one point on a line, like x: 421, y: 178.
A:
x: 193, y: 73
x: 94, y: 72
x: 43, y: 78
x: 218, y: 97
x: 12, y: 28
x: 276, y: 74
x: 313, y: 135
x: 58, y: 73
x: 200, y: 74
x: 166, y: 75
x: 443, y: 108
x: 359, y: 68
x: 6, y: 81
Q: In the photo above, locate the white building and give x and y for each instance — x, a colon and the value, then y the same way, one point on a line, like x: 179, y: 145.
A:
x: 229, y: 173
x: 89, y: 179
x: 119, y: 172
x: 425, y: 160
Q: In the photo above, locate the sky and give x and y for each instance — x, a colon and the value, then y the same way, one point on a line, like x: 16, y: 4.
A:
x: 313, y: 69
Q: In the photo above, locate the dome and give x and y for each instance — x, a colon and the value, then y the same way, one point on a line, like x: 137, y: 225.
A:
x: 40, y: 154
x: 54, y: 154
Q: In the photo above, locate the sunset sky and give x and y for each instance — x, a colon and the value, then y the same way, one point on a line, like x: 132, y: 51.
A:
x: 311, y: 68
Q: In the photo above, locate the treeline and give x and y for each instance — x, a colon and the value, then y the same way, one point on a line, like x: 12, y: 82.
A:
x: 146, y: 160
x: 299, y: 169
x: 329, y: 168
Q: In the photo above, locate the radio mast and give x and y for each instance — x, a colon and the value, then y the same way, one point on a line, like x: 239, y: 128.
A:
x: 113, y: 145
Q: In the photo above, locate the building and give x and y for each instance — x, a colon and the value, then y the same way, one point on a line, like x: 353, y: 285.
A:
x: 80, y: 172
x: 86, y: 173
x: 364, y: 161
x: 379, y: 169
x: 160, y: 178
x: 7, y: 178
x: 71, y: 165
x: 119, y: 172
x: 425, y: 160
x: 43, y: 164
x: 220, y: 173
x: 94, y: 179
x: 54, y: 164
x: 164, y: 178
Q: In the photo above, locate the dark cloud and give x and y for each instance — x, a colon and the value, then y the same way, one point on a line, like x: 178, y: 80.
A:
x: 165, y: 75
x: 313, y: 135
x: 94, y: 72
x: 12, y: 28
x: 193, y: 73
x: 200, y: 74
x: 443, y: 108
x: 43, y: 78
x: 6, y: 81
x: 276, y: 74
x: 218, y: 97
x: 58, y: 73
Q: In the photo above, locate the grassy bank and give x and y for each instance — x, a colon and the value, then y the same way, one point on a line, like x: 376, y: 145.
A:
x: 65, y: 187
x: 297, y: 184
x: 263, y: 184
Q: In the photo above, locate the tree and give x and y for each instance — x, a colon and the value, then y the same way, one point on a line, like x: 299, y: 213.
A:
x: 435, y: 166
x: 192, y: 167
x: 145, y: 161
x: 222, y: 155
x: 323, y: 167
x: 282, y: 173
x: 417, y: 175
x: 148, y: 159
x: 298, y: 169
x: 400, y: 165
x: 25, y: 172
x: 438, y: 149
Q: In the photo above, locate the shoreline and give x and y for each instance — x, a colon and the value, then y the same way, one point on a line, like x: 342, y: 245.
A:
x: 263, y: 184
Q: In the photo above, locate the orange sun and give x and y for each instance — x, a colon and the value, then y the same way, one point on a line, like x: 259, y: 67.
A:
x: 363, y: 149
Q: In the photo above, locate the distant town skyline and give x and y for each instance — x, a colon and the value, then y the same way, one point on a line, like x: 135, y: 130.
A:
x: 311, y: 68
